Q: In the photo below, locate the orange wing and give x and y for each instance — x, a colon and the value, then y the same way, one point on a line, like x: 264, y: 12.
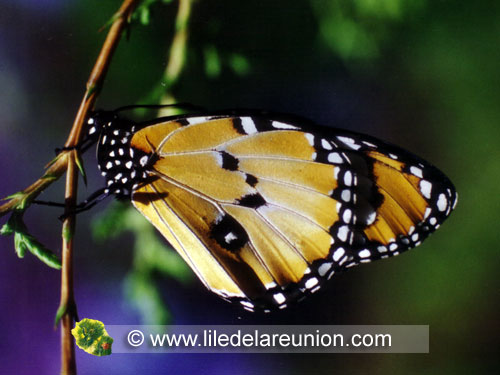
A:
x: 264, y: 211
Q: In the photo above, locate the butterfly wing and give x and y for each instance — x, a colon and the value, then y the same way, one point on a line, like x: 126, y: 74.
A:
x: 264, y: 211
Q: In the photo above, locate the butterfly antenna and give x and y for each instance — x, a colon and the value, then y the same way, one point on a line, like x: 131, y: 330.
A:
x: 188, y: 106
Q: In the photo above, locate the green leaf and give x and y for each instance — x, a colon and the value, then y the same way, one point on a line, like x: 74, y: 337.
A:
x: 143, y: 294
x: 53, y: 160
x: 24, y: 241
x: 59, y: 313
x: 144, y: 16
x: 7, y: 229
x: 111, y: 223
x: 13, y: 196
x: 239, y: 64
x: 91, y: 336
x: 91, y: 90
x: 67, y: 233
x: 81, y: 168
x: 24, y: 200
x: 143, y: 12
x: 49, y: 176
x: 212, y: 62
x: 19, y: 244
x: 40, y: 251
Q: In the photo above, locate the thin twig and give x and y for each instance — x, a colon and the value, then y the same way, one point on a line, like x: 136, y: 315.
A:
x: 94, y: 84
x: 68, y: 363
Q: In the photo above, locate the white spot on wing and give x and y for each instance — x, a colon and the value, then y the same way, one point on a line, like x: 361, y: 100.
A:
x: 339, y: 253
x: 279, y: 298
x: 343, y: 232
x: 348, y: 178
x: 364, y: 253
x: 370, y: 219
x: 248, y: 125
x: 442, y: 203
x: 426, y: 188
x: 349, y: 142
x: 311, y: 283
x: 218, y: 159
x: 382, y: 249
x: 270, y: 285
x: 345, y: 139
x: 196, y: 120
x: 324, y: 268
x: 247, y: 304
x: 347, y: 216
x: 334, y: 157
x: 416, y: 171
x: 326, y: 145
x: 310, y: 138
x: 282, y: 125
x: 345, y: 195
x: 230, y: 237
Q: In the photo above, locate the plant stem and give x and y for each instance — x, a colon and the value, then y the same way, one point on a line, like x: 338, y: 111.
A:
x: 177, y: 54
x: 68, y: 363
x: 94, y: 84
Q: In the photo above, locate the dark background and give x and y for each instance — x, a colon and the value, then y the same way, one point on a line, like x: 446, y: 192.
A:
x: 422, y: 75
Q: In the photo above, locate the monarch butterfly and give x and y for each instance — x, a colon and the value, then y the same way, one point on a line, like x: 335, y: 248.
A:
x: 265, y: 207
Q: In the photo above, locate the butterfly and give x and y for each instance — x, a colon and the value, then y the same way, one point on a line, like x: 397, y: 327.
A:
x: 266, y: 207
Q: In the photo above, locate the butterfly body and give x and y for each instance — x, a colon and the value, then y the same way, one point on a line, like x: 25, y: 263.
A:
x: 264, y: 208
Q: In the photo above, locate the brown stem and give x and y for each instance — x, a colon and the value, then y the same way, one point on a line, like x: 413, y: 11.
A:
x: 94, y: 84
x: 68, y: 363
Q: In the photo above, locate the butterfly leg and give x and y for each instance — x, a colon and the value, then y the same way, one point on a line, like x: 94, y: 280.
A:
x: 82, y: 146
x: 87, y: 204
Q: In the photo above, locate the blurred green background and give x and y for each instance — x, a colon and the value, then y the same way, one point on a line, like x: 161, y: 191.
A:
x: 421, y: 74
